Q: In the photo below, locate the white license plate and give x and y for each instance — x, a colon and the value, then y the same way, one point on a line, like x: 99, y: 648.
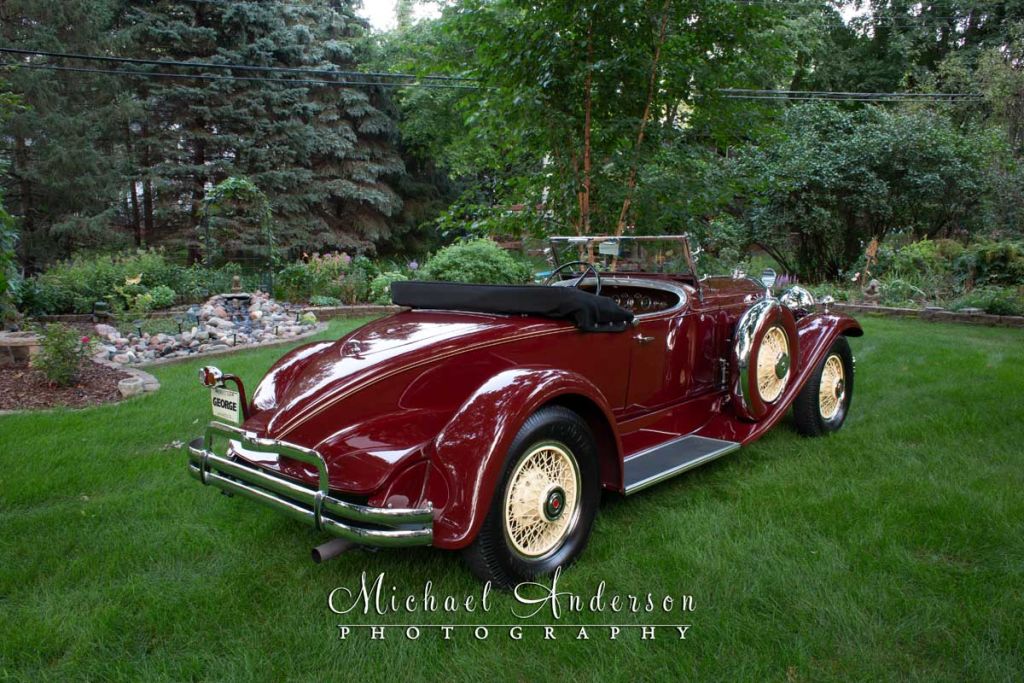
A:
x: 226, y: 404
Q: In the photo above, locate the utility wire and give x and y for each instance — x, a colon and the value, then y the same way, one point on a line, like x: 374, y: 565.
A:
x: 778, y: 97
x: 228, y: 3
x: 851, y: 95
x: 433, y: 81
x: 212, y: 77
x: 217, y: 65
x: 791, y: 9
x: 844, y: 99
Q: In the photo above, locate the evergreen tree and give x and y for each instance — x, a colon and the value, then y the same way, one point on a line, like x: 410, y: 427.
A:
x: 63, y: 152
x: 323, y: 154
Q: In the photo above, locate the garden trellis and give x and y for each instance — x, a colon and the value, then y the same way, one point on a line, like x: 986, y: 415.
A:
x: 220, y: 239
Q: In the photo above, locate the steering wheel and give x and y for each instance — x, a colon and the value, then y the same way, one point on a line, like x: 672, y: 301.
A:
x: 589, y: 269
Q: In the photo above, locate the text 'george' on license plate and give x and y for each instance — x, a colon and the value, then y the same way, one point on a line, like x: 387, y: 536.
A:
x: 226, y: 404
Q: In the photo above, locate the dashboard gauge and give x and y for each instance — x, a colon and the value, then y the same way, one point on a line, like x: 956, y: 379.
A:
x: 630, y: 303
x: 646, y: 303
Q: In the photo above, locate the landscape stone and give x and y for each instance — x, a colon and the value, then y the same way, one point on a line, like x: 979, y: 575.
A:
x: 131, y: 386
x: 107, y: 331
x: 221, y: 324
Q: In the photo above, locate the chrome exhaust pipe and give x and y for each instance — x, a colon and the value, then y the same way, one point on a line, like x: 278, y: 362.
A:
x: 330, y: 549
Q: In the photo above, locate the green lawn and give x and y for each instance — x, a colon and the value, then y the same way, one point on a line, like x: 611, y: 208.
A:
x: 893, y: 550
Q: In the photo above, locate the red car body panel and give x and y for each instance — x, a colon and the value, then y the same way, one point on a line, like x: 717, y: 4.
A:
x: 422, y: 405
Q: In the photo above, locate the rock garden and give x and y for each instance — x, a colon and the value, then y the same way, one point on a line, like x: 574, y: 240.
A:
x: 223, y: 322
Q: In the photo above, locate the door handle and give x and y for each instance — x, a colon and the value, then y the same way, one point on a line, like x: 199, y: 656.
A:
x: 643, y: 339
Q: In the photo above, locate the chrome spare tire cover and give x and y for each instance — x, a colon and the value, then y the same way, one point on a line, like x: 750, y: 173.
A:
x: 767, y: 327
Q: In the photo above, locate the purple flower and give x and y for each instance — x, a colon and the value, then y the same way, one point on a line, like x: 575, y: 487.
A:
x: 413, y: 265
x: 345, y: 258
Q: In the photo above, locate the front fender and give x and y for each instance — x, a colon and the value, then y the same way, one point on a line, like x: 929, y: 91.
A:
x: 470, y: 452
x: 815, y: 334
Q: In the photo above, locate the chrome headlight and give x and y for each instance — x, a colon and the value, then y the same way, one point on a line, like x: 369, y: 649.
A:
x: 798, y: 300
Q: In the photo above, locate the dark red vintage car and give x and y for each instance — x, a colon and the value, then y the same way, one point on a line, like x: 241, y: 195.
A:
x: 487, y: 419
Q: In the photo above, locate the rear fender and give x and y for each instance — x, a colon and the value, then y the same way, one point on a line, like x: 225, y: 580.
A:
x: 267, y: 392
x: 470, y: 452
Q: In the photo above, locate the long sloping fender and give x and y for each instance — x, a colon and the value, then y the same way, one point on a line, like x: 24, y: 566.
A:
x: 815, y: 335
x: 471, y: 450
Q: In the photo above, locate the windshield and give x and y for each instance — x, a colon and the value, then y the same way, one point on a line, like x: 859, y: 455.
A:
x: 669, y: 254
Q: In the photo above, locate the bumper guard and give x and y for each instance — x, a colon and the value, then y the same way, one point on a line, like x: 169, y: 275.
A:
x: 315, y: 506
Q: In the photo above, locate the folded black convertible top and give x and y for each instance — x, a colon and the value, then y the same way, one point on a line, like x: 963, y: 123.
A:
x: 590, y: 312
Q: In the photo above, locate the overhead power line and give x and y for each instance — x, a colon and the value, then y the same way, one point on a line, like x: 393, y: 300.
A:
x: 225, y: 65
x: 838, y: 94
x: 411, y: 80
x: 214, y: 77
x: 274, y: 2
x: 872, y: 100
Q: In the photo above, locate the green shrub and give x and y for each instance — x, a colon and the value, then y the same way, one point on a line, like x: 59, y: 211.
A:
x: 355, y: 280
x: 991, y: 262
x: 994, y: 300
x: 324, y: 274
x: 337, y: 276
x: 380, y: 287
x: 61, y: 354
x: 479, y: 260
x: 74, y: 286
x: 200, y: 283
x: 900, y: 292
x: 8, y: 265
x: 836, y: 291
x: 928, y: 257
x: 291, y: 283
x: 318, y: 300
x: 163, y: 296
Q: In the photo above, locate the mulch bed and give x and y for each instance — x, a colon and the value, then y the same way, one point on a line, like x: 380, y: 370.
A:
x: 25, y: 388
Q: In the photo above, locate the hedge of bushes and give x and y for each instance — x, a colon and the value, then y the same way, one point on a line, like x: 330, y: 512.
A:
x: 74, y: 286
x: 986, y: 274
x: 147, y: 280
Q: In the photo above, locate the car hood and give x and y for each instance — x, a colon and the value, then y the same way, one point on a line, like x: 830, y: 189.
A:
x: 329, y: 372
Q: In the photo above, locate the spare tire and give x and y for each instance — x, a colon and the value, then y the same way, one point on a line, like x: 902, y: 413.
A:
x: 764, y: 354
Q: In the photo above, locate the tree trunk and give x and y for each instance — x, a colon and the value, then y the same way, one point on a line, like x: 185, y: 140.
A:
x: 587, y: 106
x: 136, y: 218
x: 198, y: 182
x: 133, y: 191
x: 24, y: 186
x: 147, y: 185
x: 652, y: 85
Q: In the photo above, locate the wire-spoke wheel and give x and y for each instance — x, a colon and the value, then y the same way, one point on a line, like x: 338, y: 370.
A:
x: 542, y: 499
x: 821, y: 406
x: 544, y: 504
x: 832, y: 386
x: 772, y: 364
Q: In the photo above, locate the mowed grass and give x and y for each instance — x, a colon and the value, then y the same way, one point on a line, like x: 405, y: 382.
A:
x: 893, y: 550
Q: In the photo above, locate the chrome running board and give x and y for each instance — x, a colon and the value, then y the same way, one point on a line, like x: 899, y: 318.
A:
x: 653, y: 465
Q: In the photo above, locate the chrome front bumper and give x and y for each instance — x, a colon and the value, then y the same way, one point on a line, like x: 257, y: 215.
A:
x: 315, y: 506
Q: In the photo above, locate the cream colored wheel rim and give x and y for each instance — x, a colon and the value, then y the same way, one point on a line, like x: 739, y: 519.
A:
x: 542, y: 500
x: 772, y: 357
x: 832, y: 387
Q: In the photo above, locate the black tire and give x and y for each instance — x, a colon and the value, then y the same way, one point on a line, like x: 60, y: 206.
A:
x: 807, y: 411
x: 493, y: 556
